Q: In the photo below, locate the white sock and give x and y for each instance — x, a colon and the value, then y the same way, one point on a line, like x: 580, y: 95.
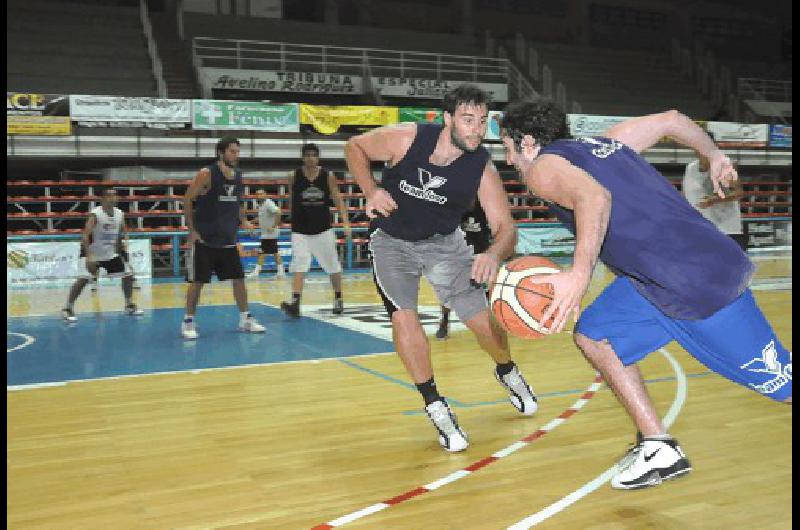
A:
x: 243, y: 316
x: 188, y: 318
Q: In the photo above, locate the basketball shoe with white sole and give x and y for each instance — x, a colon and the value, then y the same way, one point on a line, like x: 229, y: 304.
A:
x: 251, y: 325
x: 520, y: 393
x: 451, y: 437
x: 650, y: 463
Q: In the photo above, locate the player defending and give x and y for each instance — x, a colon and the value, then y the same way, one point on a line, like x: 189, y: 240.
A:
x: 214, y: 210
x: 432, y: 177
x: 103, y: 244
x: 678, y: 277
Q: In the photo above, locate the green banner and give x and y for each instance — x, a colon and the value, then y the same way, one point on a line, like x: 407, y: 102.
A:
x: 244, y: 116
x: 417, y: 114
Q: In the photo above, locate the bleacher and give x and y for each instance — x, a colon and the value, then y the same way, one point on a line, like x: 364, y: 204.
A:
x: 74, y: 48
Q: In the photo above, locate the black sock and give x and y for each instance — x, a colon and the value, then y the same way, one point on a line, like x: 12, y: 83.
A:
x: 296, y: 298
x: 445, y: 315
x: 428, y: 391
x: 337, y: 295
x: 503, y: 369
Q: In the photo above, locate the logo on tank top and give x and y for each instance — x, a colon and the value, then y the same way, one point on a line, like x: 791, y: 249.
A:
x: 429, y: 183
x: 769, y: 364
x: 603, y: 149
x: 229, y: 196
x: 312, y: 195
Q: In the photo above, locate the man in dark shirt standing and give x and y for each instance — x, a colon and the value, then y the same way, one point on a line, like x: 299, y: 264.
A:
x: 214, y: 210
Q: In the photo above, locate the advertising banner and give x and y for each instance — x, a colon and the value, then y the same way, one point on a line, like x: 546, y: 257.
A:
x: 53, y: 261
x: 590, y: 124
x: 38, y: 125
x: 406, y: 87
x: 32, y: 104
x: 545, y: 241
x: 728, y: 134
x: 780, y: 136
x: 419, y: 115
x: 271, y: 81
x: 113, y: 110
x: 327, y: 119
x: 245, y: 116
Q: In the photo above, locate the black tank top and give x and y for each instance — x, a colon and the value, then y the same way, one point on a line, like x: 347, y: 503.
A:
x: 430, y: 199
x: 311, y: 202
x: 216, y: 214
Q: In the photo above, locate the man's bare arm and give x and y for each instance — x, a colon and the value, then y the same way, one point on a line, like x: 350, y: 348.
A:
x: 384, y: 144
x: 199, y: 186
x: 86, y: 236
x: 494, y: 201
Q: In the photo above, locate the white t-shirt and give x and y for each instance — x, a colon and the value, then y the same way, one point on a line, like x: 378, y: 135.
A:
x: 268, y: 212
x: 106, y: 234
x: 697, y: 185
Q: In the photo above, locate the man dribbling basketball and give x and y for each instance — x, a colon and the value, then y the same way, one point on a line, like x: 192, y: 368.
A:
x: 432, y: 177
x: 678, y: 277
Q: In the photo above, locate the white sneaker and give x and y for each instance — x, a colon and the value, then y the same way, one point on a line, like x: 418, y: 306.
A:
x: 251, y: 325
x: 133, y: 310
x: 255, y: 272
x: 649, y: 464
x: 93, y: 287
x: 451, y: 437
x: 521, y: 395
x: 280, y: 274
x: 188, y: 330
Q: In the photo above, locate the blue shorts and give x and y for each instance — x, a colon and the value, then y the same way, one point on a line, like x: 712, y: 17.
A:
x: 736, y: 342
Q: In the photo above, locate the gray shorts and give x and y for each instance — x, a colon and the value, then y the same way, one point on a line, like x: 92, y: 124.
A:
x: 444, y: 260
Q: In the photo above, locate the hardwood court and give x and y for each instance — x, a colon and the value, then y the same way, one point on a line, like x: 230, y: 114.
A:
x: 296, y: 445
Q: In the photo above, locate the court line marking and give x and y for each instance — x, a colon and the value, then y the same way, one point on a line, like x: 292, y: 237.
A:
x: 592, y: 485
x: 472, y: 468
x: 28, y: 341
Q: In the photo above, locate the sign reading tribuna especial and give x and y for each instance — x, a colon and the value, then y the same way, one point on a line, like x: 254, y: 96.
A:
x: 244, y: 116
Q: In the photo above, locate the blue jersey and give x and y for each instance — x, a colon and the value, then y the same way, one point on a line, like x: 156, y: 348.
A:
x: 216, y: 214
x: 674, y: 256
x: 430, y: 199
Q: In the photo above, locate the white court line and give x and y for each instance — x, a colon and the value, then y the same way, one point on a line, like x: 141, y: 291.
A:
x: 28, y: 340
x: 589, y: 487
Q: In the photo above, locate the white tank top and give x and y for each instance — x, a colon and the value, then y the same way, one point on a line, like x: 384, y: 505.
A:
x: 105, y: 234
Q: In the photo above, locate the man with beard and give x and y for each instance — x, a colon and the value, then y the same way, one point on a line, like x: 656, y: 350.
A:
x: 214, y: 210
x: 432, y: 177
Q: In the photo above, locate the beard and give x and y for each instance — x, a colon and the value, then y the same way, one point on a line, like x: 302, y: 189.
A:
x: 459, y: 142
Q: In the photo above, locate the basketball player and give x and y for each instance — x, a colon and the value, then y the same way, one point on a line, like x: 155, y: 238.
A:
x: 312, y: 190
x: 678, y: 277
x: 269, y: 217
x: 478, y: 235
x: 102, y: 245
x: 724, y: 212
x: 432, y: 177
x: 214, y: 210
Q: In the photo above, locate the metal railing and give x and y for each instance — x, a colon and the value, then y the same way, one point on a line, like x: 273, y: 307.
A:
x: 152, y: 51
x: 280, y: 56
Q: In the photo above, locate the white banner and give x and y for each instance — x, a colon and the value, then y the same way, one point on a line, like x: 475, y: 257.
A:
x: 307, y: 82
x: 124, y: 109
x: 268, y: 81
x: 54, y: 261
x: 591, y: 125
x: 728, y: 134
x: 405, y: 87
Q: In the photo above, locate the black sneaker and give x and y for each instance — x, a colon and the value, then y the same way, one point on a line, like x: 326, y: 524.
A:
x: 291, y: 309
x: 132, y: 310
x: 650, y: 463
x: 338, y: 306
x: 443, y: 330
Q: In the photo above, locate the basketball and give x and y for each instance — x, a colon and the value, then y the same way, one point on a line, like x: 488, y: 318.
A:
x: 518, y: 304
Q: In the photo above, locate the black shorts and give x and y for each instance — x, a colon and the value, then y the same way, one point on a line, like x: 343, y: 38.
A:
x: 202, y: 261
x: 269, y: 246
x: 115, y: 267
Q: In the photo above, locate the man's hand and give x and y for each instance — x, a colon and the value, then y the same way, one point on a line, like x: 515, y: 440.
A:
x: 569, y: 288
x: 194, y: 235
x: 722, y: 172
x: 485, y: 268
x: 380, y: 202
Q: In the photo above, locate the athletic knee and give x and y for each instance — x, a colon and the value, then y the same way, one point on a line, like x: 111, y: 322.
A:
x: 591, y: 347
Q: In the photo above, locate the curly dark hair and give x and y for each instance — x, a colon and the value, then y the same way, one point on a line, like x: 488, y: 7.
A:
x: 538, y: 117
x: 466, y: 93
x: 225, y: 142
x: 308, y: 148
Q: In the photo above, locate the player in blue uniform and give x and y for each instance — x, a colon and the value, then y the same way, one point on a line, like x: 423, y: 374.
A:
x: 678, y: 277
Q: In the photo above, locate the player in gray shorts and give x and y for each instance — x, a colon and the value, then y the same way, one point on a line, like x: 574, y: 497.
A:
x: 432, y: 177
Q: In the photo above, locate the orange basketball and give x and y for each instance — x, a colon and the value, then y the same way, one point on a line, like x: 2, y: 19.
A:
x: 517, y: 303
